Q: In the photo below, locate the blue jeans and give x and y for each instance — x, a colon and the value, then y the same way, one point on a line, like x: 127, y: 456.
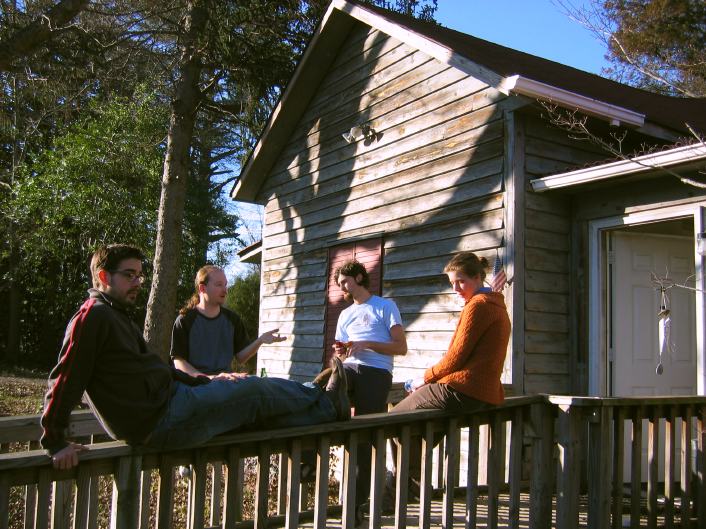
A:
x: 195, y: 414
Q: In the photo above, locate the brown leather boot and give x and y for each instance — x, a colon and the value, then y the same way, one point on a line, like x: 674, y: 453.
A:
x: 322, y: 378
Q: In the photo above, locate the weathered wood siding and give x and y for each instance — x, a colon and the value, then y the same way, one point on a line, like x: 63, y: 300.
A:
x: 430, y: 182
x: 550, y: 314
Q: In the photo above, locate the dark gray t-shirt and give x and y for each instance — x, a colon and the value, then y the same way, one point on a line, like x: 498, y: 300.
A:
x: 208, y: 344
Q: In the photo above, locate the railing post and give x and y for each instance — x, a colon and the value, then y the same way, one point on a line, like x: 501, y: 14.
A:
x: 166, y: 493
x: 568, y: 475
x: 599, y: 475
x: 652, y: 466
x: 542, y: 428
x: 125, y: 508
x: 262, y: 487
x: 515, y: 474
x: 350, y: 464
x: 426, y: 470
x: 197, y: 490
x: 450, y: 471
x: 701, y: 466
x: 321, y: 487
x: 4, y: 500
x: 294, y: 463
x: 472, y: 473
x: 618, y: 466
x: 233, y: 495
x: 402, y: 481
x: 377, y: 476
x: 496, y: 467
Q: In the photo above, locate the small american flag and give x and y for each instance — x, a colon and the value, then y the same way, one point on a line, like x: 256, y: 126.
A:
x: 499, y: 279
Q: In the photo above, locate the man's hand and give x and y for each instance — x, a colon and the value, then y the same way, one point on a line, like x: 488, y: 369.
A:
x: 67, y: 457
x: 341, y: 349
x: 271, y: 337
x: 357, y: 347
x: 229, y: 376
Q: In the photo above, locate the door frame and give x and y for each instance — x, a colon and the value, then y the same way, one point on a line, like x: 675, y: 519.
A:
x: 597, y: 289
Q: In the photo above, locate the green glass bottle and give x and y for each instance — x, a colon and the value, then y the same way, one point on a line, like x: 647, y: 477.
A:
x: 263, y: 373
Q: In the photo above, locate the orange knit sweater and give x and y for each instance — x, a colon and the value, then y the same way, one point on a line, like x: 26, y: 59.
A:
x: 474, y: 360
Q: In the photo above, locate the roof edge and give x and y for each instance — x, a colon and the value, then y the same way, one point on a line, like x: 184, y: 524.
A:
x: 639, y: 164
x: 614, y: 114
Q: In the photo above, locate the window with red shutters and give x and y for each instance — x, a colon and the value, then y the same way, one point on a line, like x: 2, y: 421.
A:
x: 369, y: 253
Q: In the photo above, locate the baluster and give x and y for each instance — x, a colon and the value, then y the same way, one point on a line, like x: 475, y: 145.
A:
x: 294, y: 464
x: 216, y: 489
x: 543, y: 465
x: 425, y: 474
x: 4, y: 500
x: 517, y: 435
x: 197, y: 490
x: 569, y: 424
x: 377, y: 476
x: 233, y: 495
x: 262, y: 487
x: 165, y: 493
x: 652, y: 467
x: 701, y: 467
x: 145, y: 495
x: 83, y: 496
x: 321, y: 487
x: 402, y: 481
x: 496, y: 467
x: 472, y: 473
x: 669, y: 454
x: 636, y: 467
x: 599, y: 476
x: 618, y: 463
x: 685, y: 468
x: 125, y: 506
x: 30, y: 497
x: 41, y: 513
x: 348, y: 485
x: 282, y: 474
x: 450, y: 471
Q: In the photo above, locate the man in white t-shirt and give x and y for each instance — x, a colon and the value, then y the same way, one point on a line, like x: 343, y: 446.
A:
x: 368, y: 334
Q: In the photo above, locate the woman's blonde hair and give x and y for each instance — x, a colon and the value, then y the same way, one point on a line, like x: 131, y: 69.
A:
x: 202, y: 278
x: 468, y: 263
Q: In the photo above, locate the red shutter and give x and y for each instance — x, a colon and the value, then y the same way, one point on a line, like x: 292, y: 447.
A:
x: 369, y: 254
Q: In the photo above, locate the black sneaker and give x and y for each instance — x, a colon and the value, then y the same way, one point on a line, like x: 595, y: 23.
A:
x: 337, y: 391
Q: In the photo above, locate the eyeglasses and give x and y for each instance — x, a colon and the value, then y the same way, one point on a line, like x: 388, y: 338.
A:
x: 130, y: 275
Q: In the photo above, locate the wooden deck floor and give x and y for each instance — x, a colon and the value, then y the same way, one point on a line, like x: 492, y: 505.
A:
x: 388, y: 522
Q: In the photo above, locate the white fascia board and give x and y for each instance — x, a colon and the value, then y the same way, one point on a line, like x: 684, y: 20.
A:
x: 423, y: 44
x: 614, y: 114
x: 647, y: 162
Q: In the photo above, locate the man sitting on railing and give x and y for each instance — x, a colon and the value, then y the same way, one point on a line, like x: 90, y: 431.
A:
x: 139, y: 398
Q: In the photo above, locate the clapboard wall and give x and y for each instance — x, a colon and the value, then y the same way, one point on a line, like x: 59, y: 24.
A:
x: 550, y: 314
x: 430, y: 183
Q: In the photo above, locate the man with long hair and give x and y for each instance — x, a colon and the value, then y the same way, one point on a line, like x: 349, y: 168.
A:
x: 207, y: 336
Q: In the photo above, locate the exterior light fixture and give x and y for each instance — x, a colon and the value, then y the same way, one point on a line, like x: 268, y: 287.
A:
x: 359, y: 132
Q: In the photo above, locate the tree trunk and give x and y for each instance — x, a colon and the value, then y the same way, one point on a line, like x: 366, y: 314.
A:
x: 162, y: 299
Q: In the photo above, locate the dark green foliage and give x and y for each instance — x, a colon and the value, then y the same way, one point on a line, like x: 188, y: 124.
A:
x: 98, y: 184
x: 244, y: 298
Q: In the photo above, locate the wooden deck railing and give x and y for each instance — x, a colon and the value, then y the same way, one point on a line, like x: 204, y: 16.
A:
x: 540, y: 450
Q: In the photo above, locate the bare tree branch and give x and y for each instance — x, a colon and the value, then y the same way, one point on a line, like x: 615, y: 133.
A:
x: 26, y: 40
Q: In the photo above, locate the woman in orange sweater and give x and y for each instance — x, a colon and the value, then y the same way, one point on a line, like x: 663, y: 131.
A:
x: 467, y: 377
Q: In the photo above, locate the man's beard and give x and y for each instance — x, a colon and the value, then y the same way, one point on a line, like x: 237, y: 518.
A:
x: 348, y: 296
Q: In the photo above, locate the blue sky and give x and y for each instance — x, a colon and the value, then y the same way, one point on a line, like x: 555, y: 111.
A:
x: 538, y: 27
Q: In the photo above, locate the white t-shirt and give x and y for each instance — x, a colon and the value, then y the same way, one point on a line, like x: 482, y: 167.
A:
x: 372, y: 321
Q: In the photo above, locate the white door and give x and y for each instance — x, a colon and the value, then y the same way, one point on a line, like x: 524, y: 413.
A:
x: 635, y: 304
